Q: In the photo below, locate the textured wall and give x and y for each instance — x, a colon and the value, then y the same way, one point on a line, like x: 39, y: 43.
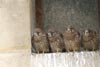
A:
x: 32, y: 6
x: 15, y: 38
x: 14, y: 24
x: 79, y: 13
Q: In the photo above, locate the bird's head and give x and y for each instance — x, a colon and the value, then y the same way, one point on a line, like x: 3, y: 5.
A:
x: 37, y: 32
x: 51, y: 32
x: 87, y: 32
x: 70, y: 29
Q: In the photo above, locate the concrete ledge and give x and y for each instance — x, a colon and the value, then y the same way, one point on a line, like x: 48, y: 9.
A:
x: 18, y: 58
x: 77, y: 59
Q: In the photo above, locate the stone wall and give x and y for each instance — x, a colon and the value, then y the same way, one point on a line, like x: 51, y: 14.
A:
x: 79, y: 13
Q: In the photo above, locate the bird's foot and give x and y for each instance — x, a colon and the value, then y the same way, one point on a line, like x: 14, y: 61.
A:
x: 68, y: 50
x: 43, y: 52
x: 93, y: 49
x: 86, y: 49
x: 57, y: 50
x: 38, y: 52
x: 74, y: 50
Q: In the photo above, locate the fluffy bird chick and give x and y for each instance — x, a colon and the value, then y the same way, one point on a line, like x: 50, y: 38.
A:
x: 90, y: 40
x: 40, y: 41
x: 72, y: 39
x: 55, y: 41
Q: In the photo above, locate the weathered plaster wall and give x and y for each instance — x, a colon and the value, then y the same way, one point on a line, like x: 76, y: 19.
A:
x: 14, y: 24
x: 79, y: 13
x: 15, y: 33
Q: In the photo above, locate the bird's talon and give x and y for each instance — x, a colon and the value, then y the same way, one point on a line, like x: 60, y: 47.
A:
x: 86, y: 49
x: 43, y: 52
x: 74, y: 51
x: 38, y: 52
x: 68, y: 50
x: 57, y: 50
x: 93, y: 49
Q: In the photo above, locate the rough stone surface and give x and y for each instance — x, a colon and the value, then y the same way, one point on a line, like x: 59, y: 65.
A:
x: 81, y: 14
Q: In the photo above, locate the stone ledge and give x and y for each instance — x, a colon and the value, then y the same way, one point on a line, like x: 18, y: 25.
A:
x: 77, y: 59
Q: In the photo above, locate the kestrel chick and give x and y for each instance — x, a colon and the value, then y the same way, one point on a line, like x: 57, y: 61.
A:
x: 40, y: 41
x: 89, y: 40
x: 55, y: 41
x: 72, y: 39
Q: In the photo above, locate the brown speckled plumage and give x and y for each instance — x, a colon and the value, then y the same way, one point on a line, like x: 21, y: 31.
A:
x: 90, y: 40
x: 72, y: 39
x: 40, y: 41
x: 55, y: 41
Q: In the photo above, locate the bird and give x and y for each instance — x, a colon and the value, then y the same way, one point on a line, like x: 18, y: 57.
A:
x: 55, y: 41
x: 89, y: 40
x: 40, y: 41
x: 72, y: 39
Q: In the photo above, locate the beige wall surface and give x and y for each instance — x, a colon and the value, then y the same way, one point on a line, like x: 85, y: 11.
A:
x: 14, y: 24
x: 15, y: 33
x: 15, y: 59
